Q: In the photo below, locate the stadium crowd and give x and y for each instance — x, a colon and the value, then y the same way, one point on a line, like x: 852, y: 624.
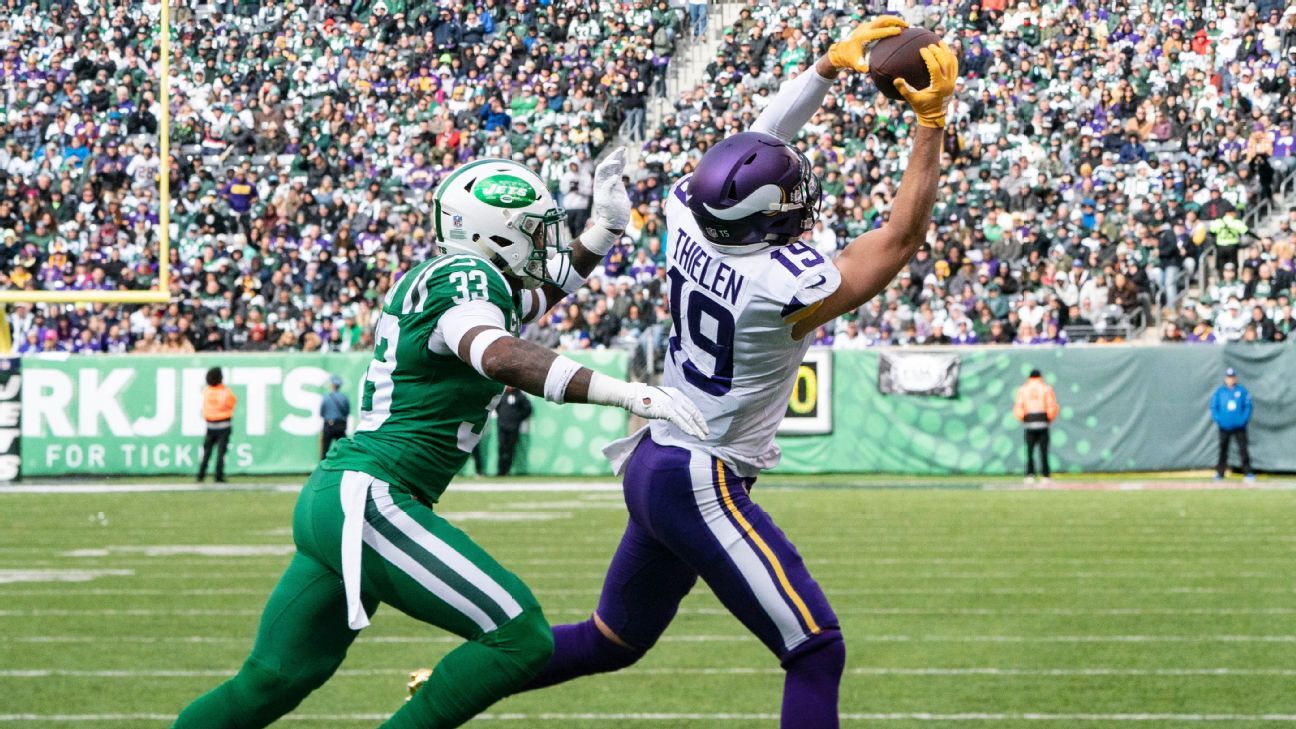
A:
x: 1094, y: 155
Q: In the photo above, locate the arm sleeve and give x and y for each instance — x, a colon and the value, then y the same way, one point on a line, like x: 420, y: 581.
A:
x: 459, y: 320
x: 534, y: 303
x: 793, y: 105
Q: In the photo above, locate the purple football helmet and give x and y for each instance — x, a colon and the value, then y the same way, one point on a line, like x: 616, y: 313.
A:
x: 752, y: 191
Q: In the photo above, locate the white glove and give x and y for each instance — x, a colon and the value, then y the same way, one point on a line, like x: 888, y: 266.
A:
x: 667, y: 403
x: 646, y: 401
x: 611, y: 203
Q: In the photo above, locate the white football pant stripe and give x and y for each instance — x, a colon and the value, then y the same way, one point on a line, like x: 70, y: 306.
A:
x: 749, y: 564
x: 442, y: 551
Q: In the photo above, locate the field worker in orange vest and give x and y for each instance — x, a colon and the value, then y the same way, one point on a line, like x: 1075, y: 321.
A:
x: 1036, y: 406
x: 218, y: 411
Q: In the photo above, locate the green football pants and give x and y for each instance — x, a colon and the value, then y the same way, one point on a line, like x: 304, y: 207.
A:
x: 413, y: 560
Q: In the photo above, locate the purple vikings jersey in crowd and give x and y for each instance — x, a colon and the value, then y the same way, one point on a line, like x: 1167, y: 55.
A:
x: 731, y: 350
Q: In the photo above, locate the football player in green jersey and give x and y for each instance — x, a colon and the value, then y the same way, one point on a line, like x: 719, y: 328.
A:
x: 364, y: 526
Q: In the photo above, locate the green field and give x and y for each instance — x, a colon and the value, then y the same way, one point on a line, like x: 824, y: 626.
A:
x: 961, y: 607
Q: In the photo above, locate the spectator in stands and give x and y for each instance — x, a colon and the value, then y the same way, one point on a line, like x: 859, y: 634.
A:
x: 315, y: 133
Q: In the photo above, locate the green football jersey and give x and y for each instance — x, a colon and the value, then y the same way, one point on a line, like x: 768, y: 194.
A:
x: 422, y: 413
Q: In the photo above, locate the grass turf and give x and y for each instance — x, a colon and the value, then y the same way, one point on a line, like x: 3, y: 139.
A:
x: 959, y: 606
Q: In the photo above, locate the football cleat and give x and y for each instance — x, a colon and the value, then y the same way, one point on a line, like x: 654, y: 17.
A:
x: 417, y: 679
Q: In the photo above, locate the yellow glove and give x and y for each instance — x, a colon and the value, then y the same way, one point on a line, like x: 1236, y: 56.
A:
x: 929, y: 103
x: 851, y: 53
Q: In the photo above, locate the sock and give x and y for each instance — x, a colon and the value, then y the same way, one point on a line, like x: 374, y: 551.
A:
x: 581, y: 649
x: 477, y: 674
x: 813, y: 678
x: 256, y: 696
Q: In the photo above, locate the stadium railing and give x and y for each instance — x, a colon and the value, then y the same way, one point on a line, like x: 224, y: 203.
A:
x: 1209, y: 256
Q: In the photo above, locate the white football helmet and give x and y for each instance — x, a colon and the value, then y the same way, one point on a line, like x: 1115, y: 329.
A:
x: 499, y: 210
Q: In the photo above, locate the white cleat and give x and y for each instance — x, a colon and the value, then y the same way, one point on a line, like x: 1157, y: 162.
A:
x: 1046, y: 480
x: 1029, y: 480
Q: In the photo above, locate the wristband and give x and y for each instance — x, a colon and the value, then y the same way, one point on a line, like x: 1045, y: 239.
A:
x: 604, y: 390
x: 479, y: 345
x: 598, y: 240
x: 560, y: 375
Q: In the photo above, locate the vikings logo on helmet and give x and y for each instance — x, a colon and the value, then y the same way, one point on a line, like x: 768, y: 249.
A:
x: 751, y: 191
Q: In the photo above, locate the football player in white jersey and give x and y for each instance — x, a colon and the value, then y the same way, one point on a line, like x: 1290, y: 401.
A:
x: 744, y: 293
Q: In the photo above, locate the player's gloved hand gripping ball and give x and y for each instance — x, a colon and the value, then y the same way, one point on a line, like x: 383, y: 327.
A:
x: 853, y: 52
x: 929, y: 103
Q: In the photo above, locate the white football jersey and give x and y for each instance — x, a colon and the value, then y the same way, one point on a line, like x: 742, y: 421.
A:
x: 731, y: 348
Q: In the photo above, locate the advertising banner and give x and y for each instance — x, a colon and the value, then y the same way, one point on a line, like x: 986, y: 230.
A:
x: 918, y: 373
x: 142, y: 414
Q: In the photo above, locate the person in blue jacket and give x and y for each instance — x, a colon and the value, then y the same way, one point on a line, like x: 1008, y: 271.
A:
x: 1231, y: 410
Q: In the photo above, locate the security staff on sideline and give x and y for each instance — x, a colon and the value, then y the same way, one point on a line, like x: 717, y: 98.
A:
x: 218, y: 411
x: 513, y: 410
x: 335, y: 408
x: 1231, y: 410
x: 1036, y: 407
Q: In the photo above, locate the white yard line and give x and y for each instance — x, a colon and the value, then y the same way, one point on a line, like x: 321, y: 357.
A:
x: 703, y: 638
x: 677, y: 717
x: 6, y: 591
x: 951, y: 611
x: 470, y: 487
x: 19, y: 673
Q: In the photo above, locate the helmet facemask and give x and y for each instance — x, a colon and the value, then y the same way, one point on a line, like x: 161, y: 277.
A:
x: 549, y: 237
x: 807, y: 195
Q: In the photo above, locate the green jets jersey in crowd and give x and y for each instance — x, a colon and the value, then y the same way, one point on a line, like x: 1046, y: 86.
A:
x: 422, y: 413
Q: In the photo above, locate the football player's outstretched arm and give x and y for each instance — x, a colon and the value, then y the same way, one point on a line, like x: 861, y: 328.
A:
x: 611, y: 206
x: 869, y: 263
x: 798, y: 99
x: 476, y: 334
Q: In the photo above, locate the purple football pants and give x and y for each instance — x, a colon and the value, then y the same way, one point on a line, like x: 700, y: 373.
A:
x: 691, y: 516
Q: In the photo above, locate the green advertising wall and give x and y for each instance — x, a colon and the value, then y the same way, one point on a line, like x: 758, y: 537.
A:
x: 1122, y: 409
x: 100, y: 415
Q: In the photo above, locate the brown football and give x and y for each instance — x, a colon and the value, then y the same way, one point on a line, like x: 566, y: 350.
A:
x: 898, y: 57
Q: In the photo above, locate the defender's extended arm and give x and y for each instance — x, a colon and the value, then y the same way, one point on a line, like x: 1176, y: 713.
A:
x: 476, y: 334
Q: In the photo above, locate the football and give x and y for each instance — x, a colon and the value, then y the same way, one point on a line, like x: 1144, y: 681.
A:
x: 898, y: 57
